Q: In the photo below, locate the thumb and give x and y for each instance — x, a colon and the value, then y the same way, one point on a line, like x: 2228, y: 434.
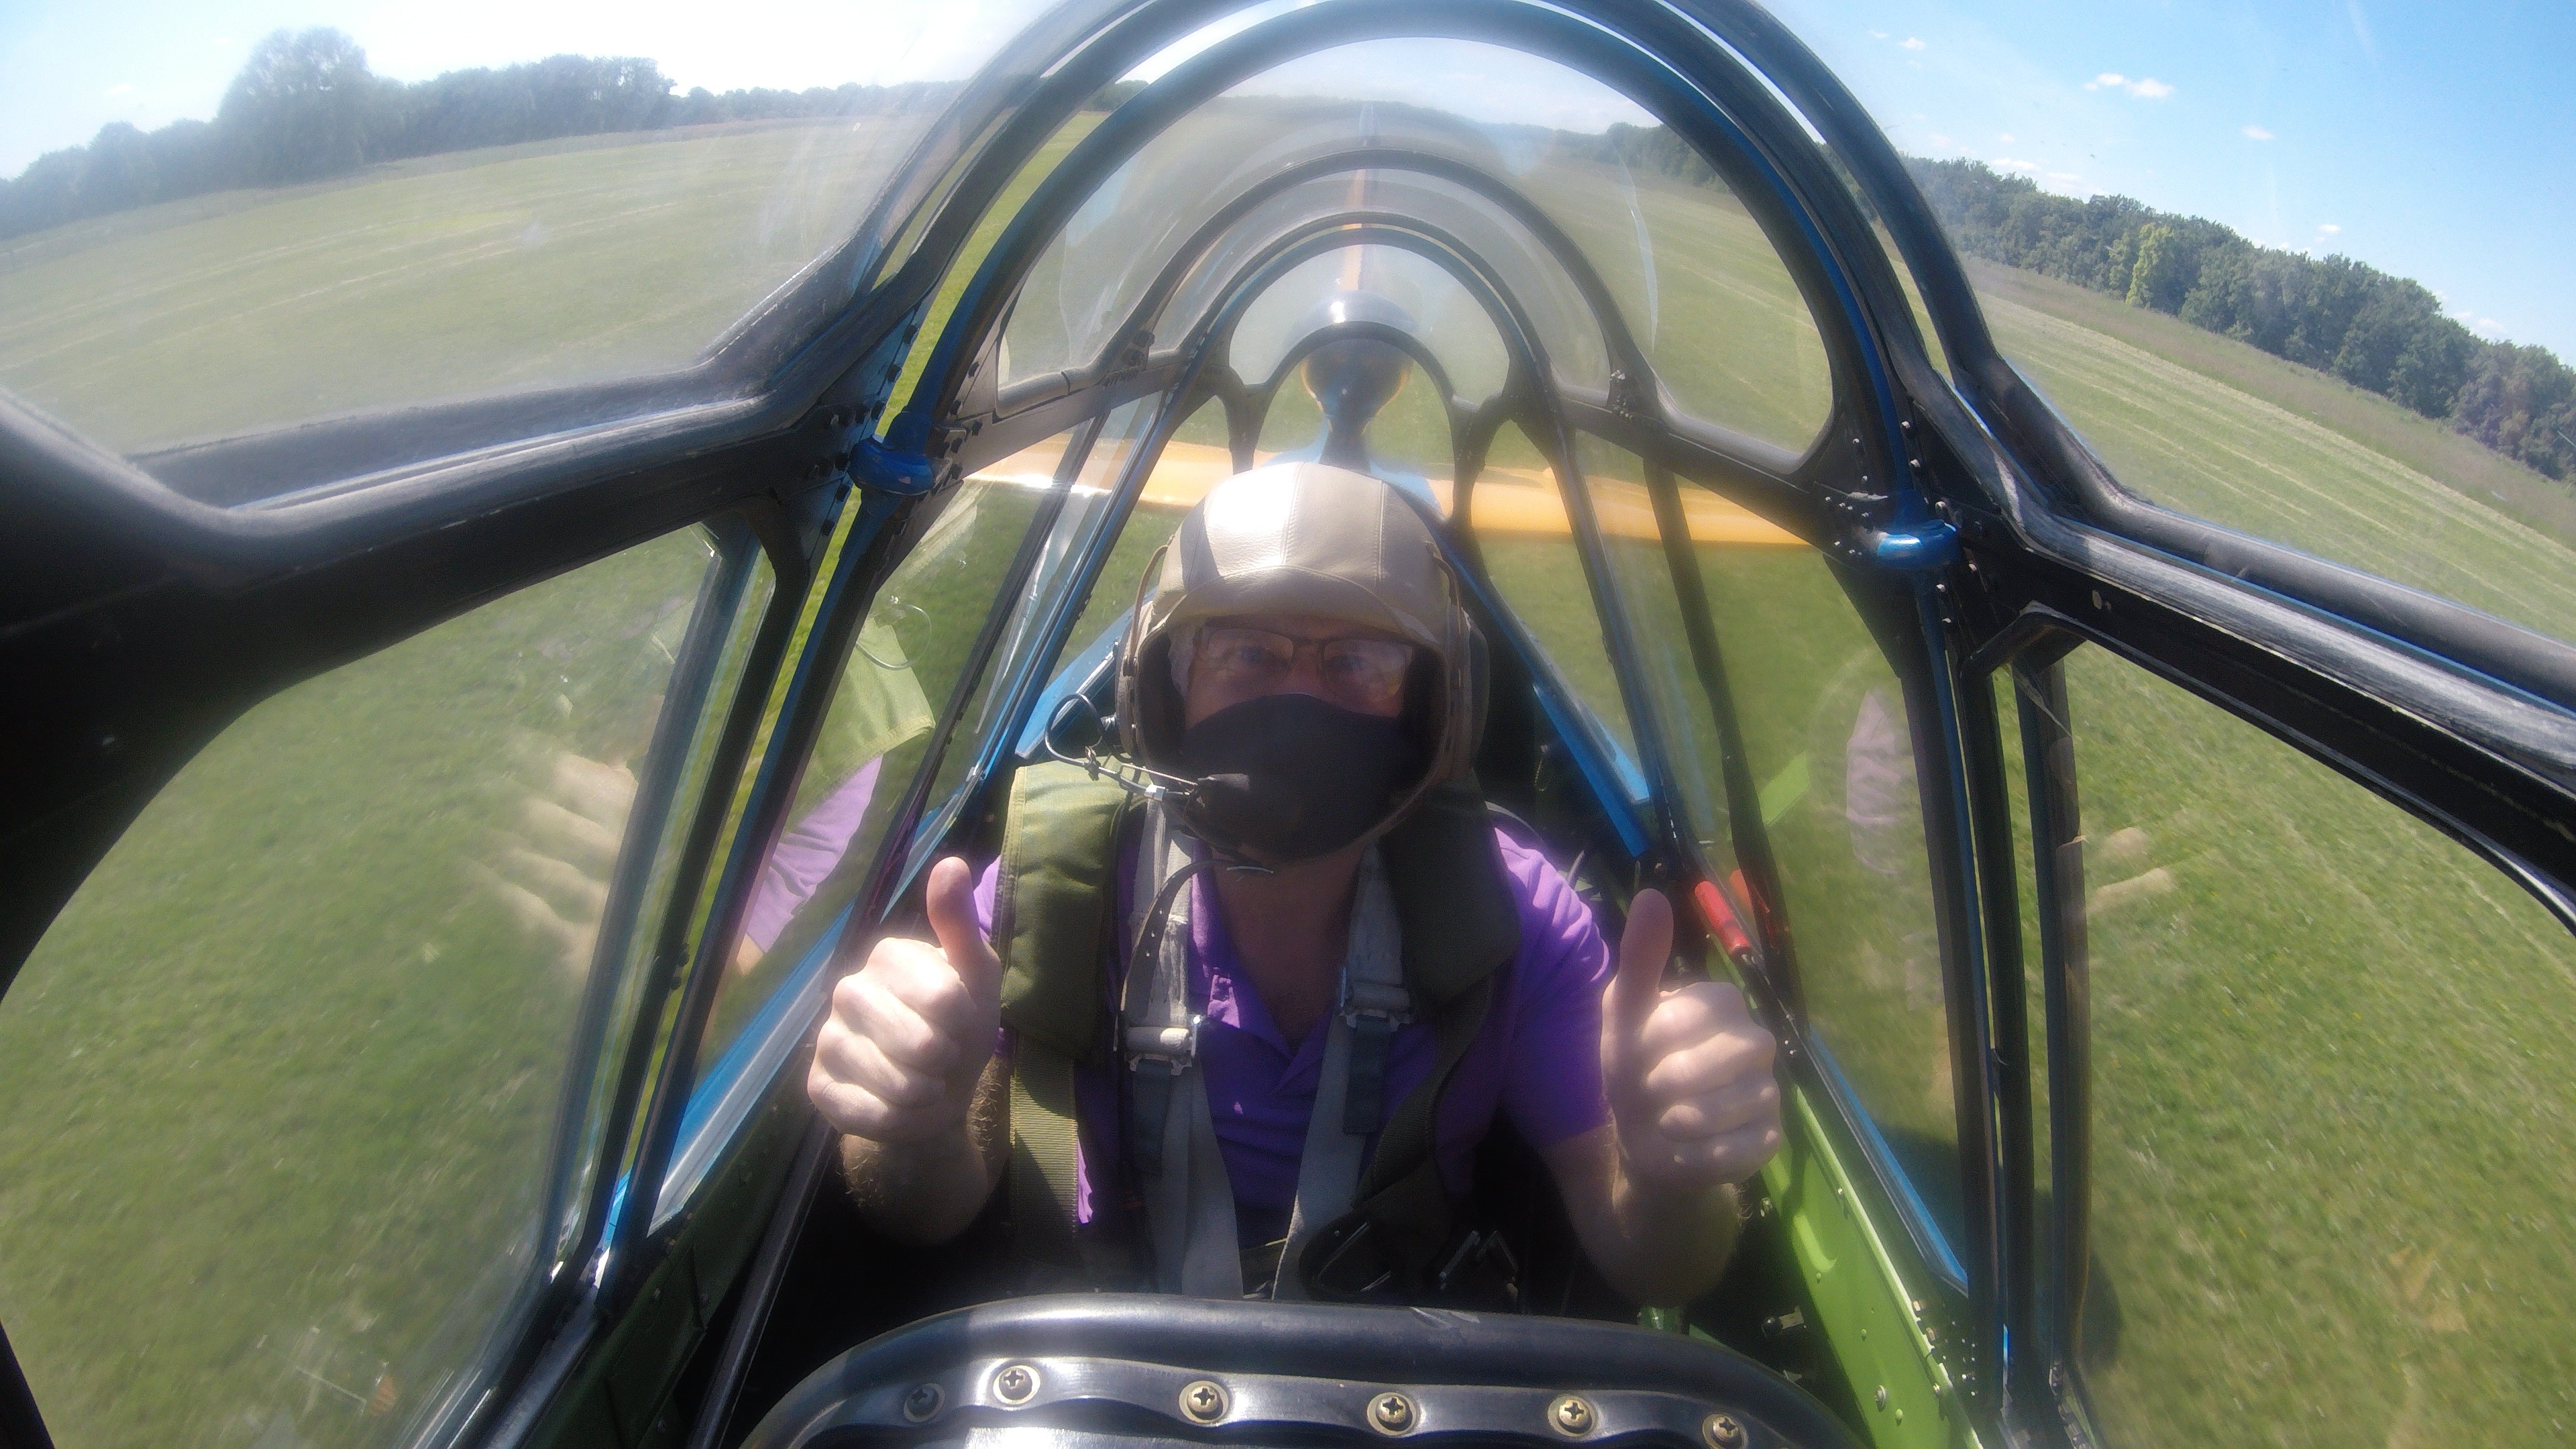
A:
x: 1643, y: 949
x: 951, y: 898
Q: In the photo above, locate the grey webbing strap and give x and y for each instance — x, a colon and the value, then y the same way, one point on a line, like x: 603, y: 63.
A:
x: 1189, y: 1201
x: 1337, y: 1134
x: 1374, y: 1002
x: 1373, y: 1038
x: 1157, y: 1039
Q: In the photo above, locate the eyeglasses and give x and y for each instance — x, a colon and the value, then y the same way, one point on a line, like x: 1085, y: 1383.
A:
x: 1356, y: 673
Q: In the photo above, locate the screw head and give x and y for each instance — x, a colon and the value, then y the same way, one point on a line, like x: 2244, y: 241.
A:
x: 1203, y: 1401
x: 1882, y: 1396
x: 1722, y: 1431
x: 1391, y: 1414
x: 1570, y: 1415
x: 1015, y: 1385
x: 923, y: 1402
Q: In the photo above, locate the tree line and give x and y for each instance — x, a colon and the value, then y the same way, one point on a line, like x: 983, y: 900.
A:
x: 305, y: 107
x: 2383, y: 334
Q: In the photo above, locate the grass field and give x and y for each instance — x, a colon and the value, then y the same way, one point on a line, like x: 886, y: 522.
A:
x: 281, y: 1077
x: 554, y: 264
x: 2335, y: 1139
x: 2335, y: 1146
x: 2210, y: 426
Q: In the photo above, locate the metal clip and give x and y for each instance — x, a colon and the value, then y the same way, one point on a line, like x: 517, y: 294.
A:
x: 1366, y: 1001
x: 1171, y: 1047
x: 1374, y: 1010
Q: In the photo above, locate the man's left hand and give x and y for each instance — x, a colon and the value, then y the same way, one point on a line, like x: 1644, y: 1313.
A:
x: 1688, y: 1071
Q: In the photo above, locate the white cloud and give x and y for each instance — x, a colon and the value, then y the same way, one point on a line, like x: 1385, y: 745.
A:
x: 121, y: 88
x: 2486, y: 327
x: 1940, y: 140
x: 2329, y: 229
x: 2255, y: 133
x: 1911, y: 42
x: 2009, y: 163
x: 2006, y: 138
x: 1878, y: 35
x: 2145, y: 87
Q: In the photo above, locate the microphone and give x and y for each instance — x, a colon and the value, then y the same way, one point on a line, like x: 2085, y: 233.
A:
x: 1240, y: 807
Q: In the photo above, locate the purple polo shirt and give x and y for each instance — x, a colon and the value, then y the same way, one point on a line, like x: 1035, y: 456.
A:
x: 1537, y: 1058
x: 809, y: 850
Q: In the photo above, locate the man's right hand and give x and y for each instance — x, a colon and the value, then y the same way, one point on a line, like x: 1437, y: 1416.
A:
x: 912, y: 1031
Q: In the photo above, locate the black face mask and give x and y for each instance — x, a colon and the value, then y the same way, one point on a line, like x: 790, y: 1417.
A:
x: 1291, y: 777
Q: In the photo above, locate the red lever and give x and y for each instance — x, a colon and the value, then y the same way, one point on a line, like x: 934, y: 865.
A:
x: 1722, y: 920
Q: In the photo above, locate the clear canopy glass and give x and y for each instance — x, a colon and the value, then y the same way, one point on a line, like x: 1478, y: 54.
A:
x: 2279, y: 265
x: 379, y: 209
x: 1590, y: 256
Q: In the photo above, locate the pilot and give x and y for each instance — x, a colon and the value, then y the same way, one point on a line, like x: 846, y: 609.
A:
x: 1240, y: 1024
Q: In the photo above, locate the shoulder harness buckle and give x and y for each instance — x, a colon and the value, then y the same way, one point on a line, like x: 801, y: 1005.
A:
x: 1167, y: 1048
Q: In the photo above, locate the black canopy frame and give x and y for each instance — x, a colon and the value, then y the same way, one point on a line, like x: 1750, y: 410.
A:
x: 149, y: 605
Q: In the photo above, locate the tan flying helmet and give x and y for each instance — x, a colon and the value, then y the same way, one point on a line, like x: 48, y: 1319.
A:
x: 1307, y: 538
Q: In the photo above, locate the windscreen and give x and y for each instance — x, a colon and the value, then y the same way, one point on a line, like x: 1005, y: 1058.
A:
x: 235, y: 218
x: 1588, y: 213
x: 2283, y: 267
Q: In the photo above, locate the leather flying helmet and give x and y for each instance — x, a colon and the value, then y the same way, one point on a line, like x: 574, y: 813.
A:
x: 1323, y: 542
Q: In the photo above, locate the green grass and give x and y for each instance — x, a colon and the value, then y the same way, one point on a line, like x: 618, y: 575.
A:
x: 1732, y: 339
x: 568, y: 265
x: 2213, y: 427
x: 283, y: 1074
x: 2335, y: 1143
x: 281, y: 1078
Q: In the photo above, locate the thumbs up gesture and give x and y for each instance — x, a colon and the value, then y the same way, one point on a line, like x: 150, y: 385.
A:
x: 912, y: 1030
x: 1688, y: 1072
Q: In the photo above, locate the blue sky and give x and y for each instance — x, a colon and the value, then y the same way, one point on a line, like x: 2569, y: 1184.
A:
x: 2433, y: 140
x: 2436, y: 141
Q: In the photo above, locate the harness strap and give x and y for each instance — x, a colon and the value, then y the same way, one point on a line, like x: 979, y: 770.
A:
x: 1055, y: 911
x: 1044, y: 1192
x: 1371, y: 1040
x: 1189, y: 1200
x: 1057, y: 927
x: 1374, y: 1002
x: 1402, y: 1218
x: 1157, y: 1039
x: 1058, y: 873
x: 1407, y: 1142
x: 1337, y: 1132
